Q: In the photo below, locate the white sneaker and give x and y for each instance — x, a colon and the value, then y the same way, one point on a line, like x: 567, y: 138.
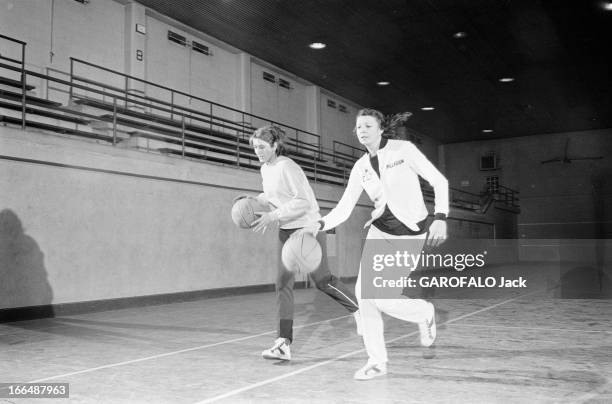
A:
x: 280, y: 350
x: 371, y: 371
x: 427, y: 328
x: 357, y: 316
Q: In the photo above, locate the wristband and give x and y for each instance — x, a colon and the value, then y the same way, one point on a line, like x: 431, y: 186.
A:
x: 440, y: 216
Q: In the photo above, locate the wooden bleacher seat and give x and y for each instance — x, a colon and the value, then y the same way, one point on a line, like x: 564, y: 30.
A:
x: 53, y: 128
x: 45, y: 113
x: 15, y: 83
x: 11, y: 95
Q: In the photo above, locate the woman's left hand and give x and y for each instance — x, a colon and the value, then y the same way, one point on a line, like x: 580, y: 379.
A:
x: 266, y: 220
x: 437, y: 233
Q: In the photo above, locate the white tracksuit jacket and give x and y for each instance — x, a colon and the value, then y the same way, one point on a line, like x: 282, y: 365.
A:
x: 400, y: 165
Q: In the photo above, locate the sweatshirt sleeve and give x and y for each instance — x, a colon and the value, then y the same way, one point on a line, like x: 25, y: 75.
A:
x: 421, y: 164
x: 297, y: 184
x: 345, y: 206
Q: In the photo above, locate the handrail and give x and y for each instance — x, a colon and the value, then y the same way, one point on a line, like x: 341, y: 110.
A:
x: 172, y: 91
x: 116, y: 110
x: 13, y: 39
x: 10, y: 59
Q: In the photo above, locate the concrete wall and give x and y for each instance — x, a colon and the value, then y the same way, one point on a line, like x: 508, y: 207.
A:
x: 557, y: 200
x: 82, y: 221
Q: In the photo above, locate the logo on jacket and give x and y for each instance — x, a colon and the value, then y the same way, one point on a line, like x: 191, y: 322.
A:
x: 367, y: 175
x: 395, y: 163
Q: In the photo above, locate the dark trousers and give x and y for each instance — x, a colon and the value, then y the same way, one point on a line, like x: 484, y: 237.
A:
x: 321, y: 277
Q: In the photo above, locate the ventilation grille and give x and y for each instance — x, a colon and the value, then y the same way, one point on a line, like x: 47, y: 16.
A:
x: 177, y: 38
x: 269, y: 77
x: 331, y: 103
x: 198, y: 47
x: 284, y: 83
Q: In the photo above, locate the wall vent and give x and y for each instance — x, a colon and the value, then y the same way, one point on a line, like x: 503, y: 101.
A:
x: 284, y: 83
x: 331, y: 103
x: 198, y: 47
x: 177, y: 38
x: 269, y: 77
x: 488, y: 162
x: 493, y: 184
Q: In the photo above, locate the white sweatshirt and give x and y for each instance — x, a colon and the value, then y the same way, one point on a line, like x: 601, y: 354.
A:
x: 286, y: 187
x: 400, y: 165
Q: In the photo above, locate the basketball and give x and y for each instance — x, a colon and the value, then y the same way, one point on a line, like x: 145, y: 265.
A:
x: 243, y: 211
x: 301, y: 253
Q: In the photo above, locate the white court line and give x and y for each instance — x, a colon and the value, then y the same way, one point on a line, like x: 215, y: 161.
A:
x: 531, y: 328
x: 346, y: 355
x: 229, y: 341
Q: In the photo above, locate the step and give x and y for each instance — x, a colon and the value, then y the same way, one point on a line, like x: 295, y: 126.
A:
x: 201, y: 145
x: 42, y: 112
x: 11, y: 95
x: 53, y: 128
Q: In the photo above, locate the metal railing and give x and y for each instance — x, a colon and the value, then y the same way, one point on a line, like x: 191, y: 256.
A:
x: 179, y: 126
x: 506, y: 195
x: 301, y: 141
x: 345, y: 153
x: 22, y: 76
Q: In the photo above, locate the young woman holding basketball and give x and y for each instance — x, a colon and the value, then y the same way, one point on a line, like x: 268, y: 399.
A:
x: 286, y: 187
x: 389, y: 173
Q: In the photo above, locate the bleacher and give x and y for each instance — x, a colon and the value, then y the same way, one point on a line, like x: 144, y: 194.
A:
x: 127, y: 117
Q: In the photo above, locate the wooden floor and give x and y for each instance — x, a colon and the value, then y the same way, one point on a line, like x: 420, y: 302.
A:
x: 522, y: 349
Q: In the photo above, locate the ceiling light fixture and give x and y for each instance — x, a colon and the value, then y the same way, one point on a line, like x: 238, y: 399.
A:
x: 428, y: 108
x: 459, y: 35
x: 383, y: 83
x: 317, y: 45
x: 606, y: 5
x: 487, y: 130
x: 506, y: 79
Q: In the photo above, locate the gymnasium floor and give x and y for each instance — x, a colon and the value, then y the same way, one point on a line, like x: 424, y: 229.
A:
x: 522, y: 349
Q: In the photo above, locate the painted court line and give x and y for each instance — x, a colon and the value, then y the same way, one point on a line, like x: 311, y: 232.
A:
x: 532, y: 328
x: 346, y: 355
x: 113, y: 365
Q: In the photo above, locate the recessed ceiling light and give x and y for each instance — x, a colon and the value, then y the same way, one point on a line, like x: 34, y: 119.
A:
x: 506, y: 79
x: 317, y: 45
x: 383, y: 83
x: 428, y: 108
x: 459, y: 35
x: 487, y: 130
x: 606, y: 5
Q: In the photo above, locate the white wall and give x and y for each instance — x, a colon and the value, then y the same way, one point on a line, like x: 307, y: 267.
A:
x: 93, y: 32
x: 336, y: 124
x: 270, y: 100
x: 211, y: 77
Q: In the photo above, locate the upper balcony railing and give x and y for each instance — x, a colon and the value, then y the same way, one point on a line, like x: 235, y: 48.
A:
x: 22, y: 77
x: 185, y: 127
x: 134, y: 91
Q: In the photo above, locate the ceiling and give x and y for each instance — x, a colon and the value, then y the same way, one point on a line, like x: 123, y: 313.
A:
x: 554, y: 49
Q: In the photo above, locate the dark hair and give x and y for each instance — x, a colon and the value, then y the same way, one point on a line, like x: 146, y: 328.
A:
x: 271, y: 134
x: 388, y: 124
